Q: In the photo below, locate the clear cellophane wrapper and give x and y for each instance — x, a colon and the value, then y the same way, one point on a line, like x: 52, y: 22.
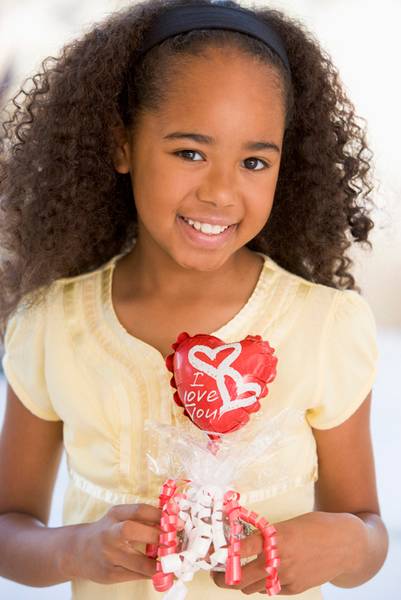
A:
x: 205, y: 472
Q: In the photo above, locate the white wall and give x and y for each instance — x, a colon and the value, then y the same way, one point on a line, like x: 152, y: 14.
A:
x: 363, y: 39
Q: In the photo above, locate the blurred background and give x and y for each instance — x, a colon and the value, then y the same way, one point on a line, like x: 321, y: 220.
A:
x: 363, y: 39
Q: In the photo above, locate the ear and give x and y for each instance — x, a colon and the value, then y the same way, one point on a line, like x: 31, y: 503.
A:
x: 122, y: 153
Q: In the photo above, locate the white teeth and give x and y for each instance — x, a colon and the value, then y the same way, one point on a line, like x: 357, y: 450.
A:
x: 206, y: 227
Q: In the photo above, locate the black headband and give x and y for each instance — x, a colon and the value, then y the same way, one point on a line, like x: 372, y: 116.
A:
x: 180, y: 19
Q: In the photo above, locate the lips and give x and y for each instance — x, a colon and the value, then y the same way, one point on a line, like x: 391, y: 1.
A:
x: 204, y: 240
x: 210, y: 220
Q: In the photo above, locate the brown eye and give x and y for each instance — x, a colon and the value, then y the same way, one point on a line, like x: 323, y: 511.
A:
x: 256, y: 160
x: 183, y: 152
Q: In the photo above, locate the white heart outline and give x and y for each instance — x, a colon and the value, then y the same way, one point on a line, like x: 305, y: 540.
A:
x: 218, y: 375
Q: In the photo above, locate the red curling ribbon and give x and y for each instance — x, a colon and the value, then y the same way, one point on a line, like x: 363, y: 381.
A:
x: 166, y: 520
x: 162, y: 581
x: 253, y: 518
x: 272, y: 553
x: 273, y: 540
x: 167, y: 544
x: 268, y: 531
x: 232, y: 510
x: 235, y: 570
x: 234, y: 548
x: 168, y: 489
x: 272, y: 560
x: 169, y: 539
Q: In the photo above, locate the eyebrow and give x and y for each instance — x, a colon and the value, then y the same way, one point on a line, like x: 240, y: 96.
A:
x: 207, y: 139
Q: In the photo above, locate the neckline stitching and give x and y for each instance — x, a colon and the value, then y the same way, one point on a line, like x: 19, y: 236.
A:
x: 226, y: 330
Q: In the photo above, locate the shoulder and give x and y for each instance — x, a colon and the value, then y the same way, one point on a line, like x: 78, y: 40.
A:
x: 319, y: 306
x: 289, y: 278
x: 63, y: 290
x: 38, y: 309
x: 63, y: 281
x: 336, y: 298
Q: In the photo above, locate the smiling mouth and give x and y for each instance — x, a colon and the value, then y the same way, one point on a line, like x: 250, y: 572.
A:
x: 206, y: 228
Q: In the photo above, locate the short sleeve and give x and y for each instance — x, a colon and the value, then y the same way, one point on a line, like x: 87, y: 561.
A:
x: 24, y: 359
x: 347, y: 362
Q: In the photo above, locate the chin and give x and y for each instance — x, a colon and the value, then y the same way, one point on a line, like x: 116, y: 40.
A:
x: 201, y: 263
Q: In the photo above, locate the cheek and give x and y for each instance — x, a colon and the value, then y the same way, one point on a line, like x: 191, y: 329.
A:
x: 263, y: 215
x: 155, y: 208
x: 160, y: 189
x: 261, y: 202
x: 266, y: 196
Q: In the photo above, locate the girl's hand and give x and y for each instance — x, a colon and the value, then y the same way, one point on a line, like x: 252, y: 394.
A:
x: 107, y: 550
x: 314, y: 548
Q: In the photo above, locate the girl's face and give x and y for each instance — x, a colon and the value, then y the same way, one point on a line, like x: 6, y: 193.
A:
x: 208, y: 160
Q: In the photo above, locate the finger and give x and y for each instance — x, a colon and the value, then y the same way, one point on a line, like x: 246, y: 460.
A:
x: 287, y: 590
x: 219, y: 580
x: 137, y: 563
x: 134, y: 531
x: 251, y: 573
x: 256, y: 586
x: 137, y: 512
x: 252, y: 545
x: 118, y: 574
x: 259, y: 586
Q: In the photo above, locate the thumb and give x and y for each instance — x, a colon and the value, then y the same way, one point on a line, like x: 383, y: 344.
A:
x: 145, y: 513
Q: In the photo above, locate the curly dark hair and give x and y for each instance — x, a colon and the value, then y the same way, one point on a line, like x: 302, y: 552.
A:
x: 66, y: 211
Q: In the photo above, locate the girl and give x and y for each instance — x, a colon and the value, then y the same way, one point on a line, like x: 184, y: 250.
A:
x: 198, y: 170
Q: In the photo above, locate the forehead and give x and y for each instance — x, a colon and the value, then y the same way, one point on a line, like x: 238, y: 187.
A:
x: 223, y: 88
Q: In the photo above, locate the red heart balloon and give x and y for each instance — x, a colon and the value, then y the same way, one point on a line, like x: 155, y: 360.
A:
x: 219, y: 384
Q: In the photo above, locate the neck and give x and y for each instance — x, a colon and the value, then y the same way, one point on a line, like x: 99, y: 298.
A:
x: 151, y: 271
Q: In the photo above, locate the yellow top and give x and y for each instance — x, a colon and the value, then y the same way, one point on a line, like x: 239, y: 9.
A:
x: 70, y: 359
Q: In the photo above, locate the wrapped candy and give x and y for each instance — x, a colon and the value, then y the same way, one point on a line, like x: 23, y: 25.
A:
x: 218, y: 385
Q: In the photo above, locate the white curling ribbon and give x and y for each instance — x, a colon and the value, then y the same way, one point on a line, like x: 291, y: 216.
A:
x: 188, y: 530
x: 203, y: 564
x: 219, y: 538
x: 201, y: 503
x: 189, y: 556
x: 201, y: 545
x: 192, y: 536
x: 205, y: 501
x: 204, y: 529
x: 203, y: 513
x: 171, y: 563
x: 177, y: 592
x: 220, y: 556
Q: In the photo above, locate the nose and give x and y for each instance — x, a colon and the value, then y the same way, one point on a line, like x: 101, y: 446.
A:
x: 218, y: 187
